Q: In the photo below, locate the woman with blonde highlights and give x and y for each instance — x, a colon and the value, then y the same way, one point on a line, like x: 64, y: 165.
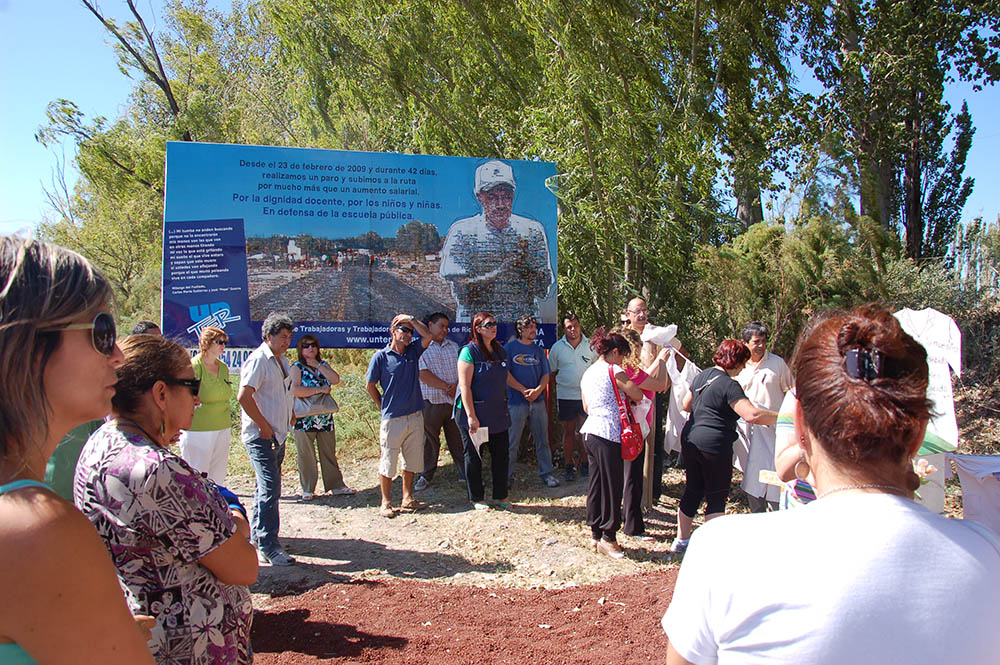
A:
x: 61, y: 601
x: 205, y: 445
x: 863, y: 574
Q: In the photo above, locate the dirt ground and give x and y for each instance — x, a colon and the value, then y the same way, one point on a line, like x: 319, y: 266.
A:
x: 450, y: 584
x: 453, y: 585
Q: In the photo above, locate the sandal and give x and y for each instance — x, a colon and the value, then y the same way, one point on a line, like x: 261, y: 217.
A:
x: 387, y: 512
x: 344, y: 491
x: 479, y: 505
x: 413, y: 506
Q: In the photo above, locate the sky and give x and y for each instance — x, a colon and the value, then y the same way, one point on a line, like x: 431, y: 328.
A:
x: 56, y: 49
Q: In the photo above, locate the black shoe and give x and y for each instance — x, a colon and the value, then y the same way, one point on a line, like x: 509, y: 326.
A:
x: 569, y: 474
x: 584, y: 470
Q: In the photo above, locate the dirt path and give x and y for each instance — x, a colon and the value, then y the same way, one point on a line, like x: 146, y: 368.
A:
x: 449, y: 584
x: 541, y: 543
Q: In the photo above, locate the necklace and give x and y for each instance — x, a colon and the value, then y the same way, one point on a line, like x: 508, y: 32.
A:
x: 132, y: 423
x: 872, y: 486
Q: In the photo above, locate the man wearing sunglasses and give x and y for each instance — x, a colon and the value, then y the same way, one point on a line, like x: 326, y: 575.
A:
x: 266, y: 397
x: 396, y: 369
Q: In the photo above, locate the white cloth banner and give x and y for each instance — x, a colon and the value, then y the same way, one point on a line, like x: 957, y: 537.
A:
x: 980, y: 476
x: 680, y: 385
x: 939, y: 334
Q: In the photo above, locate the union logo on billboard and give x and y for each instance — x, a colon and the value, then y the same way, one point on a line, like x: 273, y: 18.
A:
x: 216, y: 314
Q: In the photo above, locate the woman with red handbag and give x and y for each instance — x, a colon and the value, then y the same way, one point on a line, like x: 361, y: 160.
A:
x: 602, y: 387
x: 716, y: 402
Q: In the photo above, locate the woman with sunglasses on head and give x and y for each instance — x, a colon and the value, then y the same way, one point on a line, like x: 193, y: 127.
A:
x: 205, y: 444
x: 182, y: 552
x: 311, y: 375
x: 61, y: 603
x: 866, y: 576
x: 482, y: 402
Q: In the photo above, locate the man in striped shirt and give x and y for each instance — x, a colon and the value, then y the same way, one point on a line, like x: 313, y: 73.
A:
x: 438, y: 382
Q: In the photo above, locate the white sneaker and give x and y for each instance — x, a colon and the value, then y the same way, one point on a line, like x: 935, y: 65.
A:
x: 420, y: 484
x: 679, y: 546
x: 307, y: 496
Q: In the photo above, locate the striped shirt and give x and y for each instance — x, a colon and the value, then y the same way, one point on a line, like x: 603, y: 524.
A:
x: 442, y: 361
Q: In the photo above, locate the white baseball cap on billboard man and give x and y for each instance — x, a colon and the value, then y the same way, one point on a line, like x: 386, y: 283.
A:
x: 492, y: 174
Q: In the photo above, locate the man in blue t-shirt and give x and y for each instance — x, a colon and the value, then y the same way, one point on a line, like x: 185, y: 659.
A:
x: 527, y: 381
x: 395, y: 368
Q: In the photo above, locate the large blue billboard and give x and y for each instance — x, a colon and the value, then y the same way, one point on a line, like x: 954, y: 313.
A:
x: 342, y: 241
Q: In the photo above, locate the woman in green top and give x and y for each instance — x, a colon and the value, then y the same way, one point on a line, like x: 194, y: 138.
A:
x: 206, y: 445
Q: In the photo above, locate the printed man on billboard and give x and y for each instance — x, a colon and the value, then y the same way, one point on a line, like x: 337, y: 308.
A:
x: 496, y: 261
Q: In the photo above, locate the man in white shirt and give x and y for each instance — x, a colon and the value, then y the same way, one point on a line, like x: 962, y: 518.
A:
x: 438, y: 381
x: 266, y: 397
x: 765, y: 380
x: 569, y: 358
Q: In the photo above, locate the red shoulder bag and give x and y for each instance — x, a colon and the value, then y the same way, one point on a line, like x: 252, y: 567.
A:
x: 632, y: 441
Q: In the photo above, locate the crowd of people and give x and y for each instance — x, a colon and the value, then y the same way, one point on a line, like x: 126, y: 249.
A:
x: 166, y: 553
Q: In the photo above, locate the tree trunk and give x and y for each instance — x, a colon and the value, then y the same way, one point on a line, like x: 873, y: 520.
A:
x: 749, y: 210
x: 913, y: 213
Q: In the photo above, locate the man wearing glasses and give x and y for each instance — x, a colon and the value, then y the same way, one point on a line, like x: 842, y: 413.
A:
x: 396, y: 370
x: 638, y: 317
x: 496, y: 261
x: 266, y: 397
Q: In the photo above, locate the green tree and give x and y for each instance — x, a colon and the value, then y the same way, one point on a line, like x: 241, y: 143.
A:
x: 885, y: 65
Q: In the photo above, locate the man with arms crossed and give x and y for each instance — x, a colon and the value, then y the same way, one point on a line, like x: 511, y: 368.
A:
x: 266, y: 397
x: 527, y: 380
x: 569, y: 358
x: 765, y: 380
x: 395, y: 368
x: 438, y: 382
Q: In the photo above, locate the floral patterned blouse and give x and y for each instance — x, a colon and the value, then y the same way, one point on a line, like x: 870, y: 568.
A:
x: 157, y: 517
x: 313, y: 379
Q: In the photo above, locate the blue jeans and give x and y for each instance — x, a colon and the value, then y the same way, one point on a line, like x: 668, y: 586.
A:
x: 266, y: 455
x: 535, y: 413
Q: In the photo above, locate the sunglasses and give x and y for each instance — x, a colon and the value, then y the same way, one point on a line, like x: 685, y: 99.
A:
x: 408, y: 331
x: 222, y: 342
x: 194, y: 385
x: 103, y: 333
x: 310, y: 345
x: 488, y: 324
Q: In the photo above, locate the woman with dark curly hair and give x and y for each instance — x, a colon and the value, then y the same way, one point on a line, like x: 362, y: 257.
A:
x: 847, y: 585
x: 602, y: 437
x: 716, y: 402
x: 181, y: 549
